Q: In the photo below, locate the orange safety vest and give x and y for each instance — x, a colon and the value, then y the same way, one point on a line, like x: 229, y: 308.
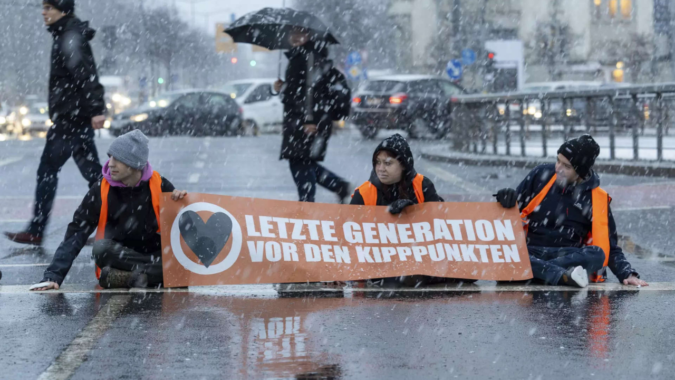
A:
x: 368, y: 191
x: 155, y: 192
x: 599, y: 235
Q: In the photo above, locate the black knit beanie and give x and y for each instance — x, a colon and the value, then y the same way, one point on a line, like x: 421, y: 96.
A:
x: 582, y: 153
x: 65, y: 6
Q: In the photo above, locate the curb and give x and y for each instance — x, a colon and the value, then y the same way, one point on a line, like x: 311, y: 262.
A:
x: 602, y: 166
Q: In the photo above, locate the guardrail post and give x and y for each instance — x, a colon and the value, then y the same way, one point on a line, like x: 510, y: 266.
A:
x: 659, y: 127
x: 636, y: 142
x: 495, y: 128
x: 544, y: 123
x: 508, y: 131
x: 588, y: 117
x: 612, y: 129
x: 523, y: 118
x: 566, y: 118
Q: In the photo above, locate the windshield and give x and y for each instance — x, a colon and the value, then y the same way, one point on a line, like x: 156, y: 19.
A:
x: 383, y: 86
x: 162, y: 101
x: 38, y: 109
x: 236, y: 90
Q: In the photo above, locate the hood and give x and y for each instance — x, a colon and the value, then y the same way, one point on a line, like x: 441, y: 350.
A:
x: 398, y: 146
x: 147, y: 174
x: 70, y: 23
x: 591, y: 183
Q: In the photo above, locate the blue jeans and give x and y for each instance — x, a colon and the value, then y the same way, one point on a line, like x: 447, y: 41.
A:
x: 59, y: 147
x: 307, y: 173
x: 549, y: 263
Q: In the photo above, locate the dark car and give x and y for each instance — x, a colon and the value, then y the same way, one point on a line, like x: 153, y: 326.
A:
x: 418, y: 104
x: 191, y: 112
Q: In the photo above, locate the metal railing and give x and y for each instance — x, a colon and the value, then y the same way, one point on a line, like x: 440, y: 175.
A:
x: 632, y: 113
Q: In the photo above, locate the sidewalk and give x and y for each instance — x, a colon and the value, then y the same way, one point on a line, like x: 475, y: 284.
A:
x: 622, y: 165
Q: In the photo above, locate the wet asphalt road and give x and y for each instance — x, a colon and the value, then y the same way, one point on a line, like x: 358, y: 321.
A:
x: 478, y: 331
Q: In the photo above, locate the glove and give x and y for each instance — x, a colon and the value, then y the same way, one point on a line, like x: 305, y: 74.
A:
x: 507, y: 198
x: 399, y: 205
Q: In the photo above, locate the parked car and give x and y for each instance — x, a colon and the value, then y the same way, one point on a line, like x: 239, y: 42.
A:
x: 575, y: 109
x: 188, y: 112
x: 263, y: 111
x: 34, y: 119
x: 418, y: 104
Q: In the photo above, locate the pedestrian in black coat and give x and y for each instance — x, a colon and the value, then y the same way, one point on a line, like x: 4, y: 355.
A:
x: 76, y: 108
x: 307, y: 128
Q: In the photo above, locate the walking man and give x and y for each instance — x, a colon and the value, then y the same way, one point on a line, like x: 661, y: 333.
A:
x: 571, y: 233
x: 76, y: 107
x: 306, y: 129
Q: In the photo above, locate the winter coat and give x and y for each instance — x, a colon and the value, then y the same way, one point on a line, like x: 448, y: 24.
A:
x: 564, y: 217
x: 131, y: 222
x: 296, y: 144
x: 386, y: 195
x: 75, y: 93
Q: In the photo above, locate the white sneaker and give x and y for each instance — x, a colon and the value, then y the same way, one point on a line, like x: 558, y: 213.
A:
x: 578, y: 276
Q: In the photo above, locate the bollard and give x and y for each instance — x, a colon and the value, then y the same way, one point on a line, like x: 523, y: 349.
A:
x: 659, y: 127
x: 588, y: 116
x: 612, y: 129
x: 495, y: 129
x: 507, y: 112
x: 636, y: 142
x: 523, y: 116
x: 566, y: 118
x: 544, y: 118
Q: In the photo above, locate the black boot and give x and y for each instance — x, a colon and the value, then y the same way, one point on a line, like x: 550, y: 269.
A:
x: 112, y: 278
x: 576, y: 276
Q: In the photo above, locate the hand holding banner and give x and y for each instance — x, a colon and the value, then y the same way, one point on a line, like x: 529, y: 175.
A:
x: 222, y: 240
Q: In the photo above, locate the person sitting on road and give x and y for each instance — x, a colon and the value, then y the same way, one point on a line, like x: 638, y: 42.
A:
x: 394, y: 182
x: 124, y: 209
x: 570, y: 229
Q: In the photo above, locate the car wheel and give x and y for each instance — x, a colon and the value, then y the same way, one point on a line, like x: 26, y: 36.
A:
x: 368, y: 131
x: 251, y: 125
x: 420, y: 129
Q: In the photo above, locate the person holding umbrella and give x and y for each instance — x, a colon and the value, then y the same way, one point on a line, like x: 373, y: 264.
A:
x: 307, y: 126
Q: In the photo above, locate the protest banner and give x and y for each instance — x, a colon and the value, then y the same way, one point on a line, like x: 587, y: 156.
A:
x: 222, y: 240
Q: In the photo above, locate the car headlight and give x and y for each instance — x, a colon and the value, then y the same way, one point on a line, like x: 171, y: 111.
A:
x: 126, y: 101
x: 116, y: 98
x: 49, y: 123
x: 106, y: 124
x: 26, y: 122
x: 3, y: 120
x: 140, y: 117
x: 23, y: 110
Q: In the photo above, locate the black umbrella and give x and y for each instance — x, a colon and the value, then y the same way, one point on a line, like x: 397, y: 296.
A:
x: 271, y: 27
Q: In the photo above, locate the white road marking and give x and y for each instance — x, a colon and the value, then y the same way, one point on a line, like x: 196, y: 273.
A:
x: 13, y: 221
x: 194, y: 178
x: 23, y: 265
x: 10, y: 160
x: 200, y: 164
x: 456, y: 181
x: 268, y: 290
x: 642, y: 208
x: 65, y: 365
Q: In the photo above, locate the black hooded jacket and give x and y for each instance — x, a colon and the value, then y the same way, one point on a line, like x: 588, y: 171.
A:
x: 386, y: 195
x: 296, y: 145
x: 564, y: 217
x: 75, y: 93
x: 131, y: 222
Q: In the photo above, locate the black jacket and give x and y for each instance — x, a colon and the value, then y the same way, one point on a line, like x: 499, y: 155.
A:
x: 131, y: 222
x: 386, y: 195
x: 296, y: 145
x: 75, y: 93
x: 564, y: 217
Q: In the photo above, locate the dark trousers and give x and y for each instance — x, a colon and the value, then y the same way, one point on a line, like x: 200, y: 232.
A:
x: 549, y: 263
x: 109, y: 253
x: 59, y: 147
x: 307, y: 173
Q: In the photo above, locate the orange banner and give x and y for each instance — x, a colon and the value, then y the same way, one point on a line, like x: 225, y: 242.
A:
x: 222, y: 240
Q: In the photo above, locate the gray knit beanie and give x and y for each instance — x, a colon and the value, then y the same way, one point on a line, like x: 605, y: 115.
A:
x: 131, y: 149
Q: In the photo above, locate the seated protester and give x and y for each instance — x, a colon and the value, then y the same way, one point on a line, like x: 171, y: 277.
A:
x: 571, y: 232
x: 395, y: 183
x: 124, y: 209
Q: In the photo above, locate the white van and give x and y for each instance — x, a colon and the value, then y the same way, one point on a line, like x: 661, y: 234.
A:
x: 263, y: 111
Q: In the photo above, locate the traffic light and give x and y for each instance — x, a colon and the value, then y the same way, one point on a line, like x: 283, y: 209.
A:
x: 234, y: 60
x: 490, y: 61
x: 160, y: 80
x: 253, y: 63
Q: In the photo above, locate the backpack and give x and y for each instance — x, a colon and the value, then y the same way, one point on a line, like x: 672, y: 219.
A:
x: 332, y: 93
